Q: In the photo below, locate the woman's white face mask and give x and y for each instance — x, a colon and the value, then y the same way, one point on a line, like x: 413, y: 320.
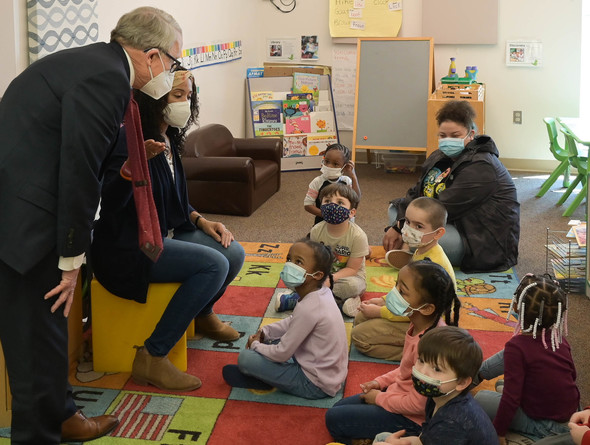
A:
x: 177, y: 114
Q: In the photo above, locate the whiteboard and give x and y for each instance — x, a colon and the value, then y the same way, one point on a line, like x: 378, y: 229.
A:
x: 394, y: 81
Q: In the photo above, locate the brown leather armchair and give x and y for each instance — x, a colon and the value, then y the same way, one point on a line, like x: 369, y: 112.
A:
x: 227, y: 175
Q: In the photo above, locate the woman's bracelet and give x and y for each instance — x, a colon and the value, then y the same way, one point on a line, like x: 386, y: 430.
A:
x: 197, y: 221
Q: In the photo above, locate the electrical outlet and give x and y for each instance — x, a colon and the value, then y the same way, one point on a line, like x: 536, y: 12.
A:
x: 517, y: 117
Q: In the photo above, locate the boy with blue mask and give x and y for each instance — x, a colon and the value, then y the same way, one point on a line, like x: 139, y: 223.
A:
x: 448, y: 359
x: 336, y: 167
x: 378, y: 331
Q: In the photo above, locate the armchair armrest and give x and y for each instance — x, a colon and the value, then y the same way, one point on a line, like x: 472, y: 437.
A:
x: 218, y: 169
x: 259, y: 148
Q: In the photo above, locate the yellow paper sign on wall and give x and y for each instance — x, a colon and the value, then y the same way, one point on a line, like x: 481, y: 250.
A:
x: 365, y: 18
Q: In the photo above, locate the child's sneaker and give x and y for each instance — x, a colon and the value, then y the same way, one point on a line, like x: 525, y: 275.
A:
x: 286, y: 302
x: 398, y: 258
x: 351, y: 306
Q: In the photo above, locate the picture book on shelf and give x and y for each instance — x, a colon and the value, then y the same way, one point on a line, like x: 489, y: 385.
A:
x: 318, y: 142
x: 297, y: 125
x: 261, y: 95
x: 270, y: 115
x: 258, y: 105
x: 322, y: 122
x: 307, y: 83
x: 294, y: 145
x: 580, y: 234
x: 268, y: 129
x: 303, y: 96
x: 294, y: 108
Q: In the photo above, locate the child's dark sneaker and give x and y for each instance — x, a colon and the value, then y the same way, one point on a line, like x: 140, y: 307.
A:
x: 286, y: 301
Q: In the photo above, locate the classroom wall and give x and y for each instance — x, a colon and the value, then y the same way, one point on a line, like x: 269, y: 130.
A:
x: 550, y: 90
x: 221, y: 86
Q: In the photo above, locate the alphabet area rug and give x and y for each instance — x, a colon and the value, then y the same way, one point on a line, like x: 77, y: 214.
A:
x: 217, y: 414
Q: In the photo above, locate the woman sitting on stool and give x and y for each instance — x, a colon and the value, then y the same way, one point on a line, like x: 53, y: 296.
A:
x: 200, y: 254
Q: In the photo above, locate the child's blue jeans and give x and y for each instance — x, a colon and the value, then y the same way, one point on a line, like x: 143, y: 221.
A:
x: 287, y: 376
x: 533, y: 428
x: 352, y: 418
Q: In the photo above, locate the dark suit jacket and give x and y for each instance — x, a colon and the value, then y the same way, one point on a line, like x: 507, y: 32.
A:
x: 116, y: 260
x: 58, y: 121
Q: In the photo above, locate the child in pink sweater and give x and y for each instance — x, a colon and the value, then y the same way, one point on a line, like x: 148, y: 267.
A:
x: 424, y: 292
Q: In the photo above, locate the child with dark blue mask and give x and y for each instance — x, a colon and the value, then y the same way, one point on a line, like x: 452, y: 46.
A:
x: 305, y: 354
x: 348, y: 242
x: 448, y: 359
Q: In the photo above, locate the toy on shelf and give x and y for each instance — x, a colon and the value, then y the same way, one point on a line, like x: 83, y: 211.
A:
x: 453, y: 69
x: 452, y: 77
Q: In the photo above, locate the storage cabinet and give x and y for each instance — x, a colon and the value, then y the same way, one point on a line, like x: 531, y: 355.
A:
x: 280, y: 86
x: 443, y: 94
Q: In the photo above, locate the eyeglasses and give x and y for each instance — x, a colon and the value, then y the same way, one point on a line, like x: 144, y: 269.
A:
x: 176, y: 64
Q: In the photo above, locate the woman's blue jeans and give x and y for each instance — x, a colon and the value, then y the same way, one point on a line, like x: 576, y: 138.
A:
x: 451, y: 241
x: 287, y: 376
x: 205, y: 268
x: 352, y: 418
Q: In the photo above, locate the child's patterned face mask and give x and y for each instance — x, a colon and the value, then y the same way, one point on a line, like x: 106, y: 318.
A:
x: 427, y: 386
x: 334, y: 213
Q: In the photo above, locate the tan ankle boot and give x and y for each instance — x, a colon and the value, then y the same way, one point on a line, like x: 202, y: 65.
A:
x: 160, y: 372
x: 211, y: 326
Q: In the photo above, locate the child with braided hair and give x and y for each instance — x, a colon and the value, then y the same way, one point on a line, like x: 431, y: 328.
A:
x: 425, y: 293
x: 540, y: 392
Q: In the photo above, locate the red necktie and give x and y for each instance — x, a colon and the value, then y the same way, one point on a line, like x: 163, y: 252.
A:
x: 150, y: 238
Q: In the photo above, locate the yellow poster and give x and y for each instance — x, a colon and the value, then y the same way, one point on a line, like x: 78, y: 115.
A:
x: 365, y: 18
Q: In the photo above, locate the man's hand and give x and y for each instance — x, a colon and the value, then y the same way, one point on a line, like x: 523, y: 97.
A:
x: 392, y: 240
x: 65, y: 289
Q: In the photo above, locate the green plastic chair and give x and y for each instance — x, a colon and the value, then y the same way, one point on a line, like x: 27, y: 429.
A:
x: 561, y: 154
x: 580, y: 163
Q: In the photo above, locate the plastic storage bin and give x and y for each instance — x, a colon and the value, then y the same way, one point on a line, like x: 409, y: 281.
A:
x: 400, y: 163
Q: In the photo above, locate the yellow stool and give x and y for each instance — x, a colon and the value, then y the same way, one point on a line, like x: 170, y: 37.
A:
x: 119, y: 324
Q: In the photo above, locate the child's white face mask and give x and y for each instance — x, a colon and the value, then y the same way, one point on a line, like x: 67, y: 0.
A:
x: 413, y: 237
x: 331, y: 173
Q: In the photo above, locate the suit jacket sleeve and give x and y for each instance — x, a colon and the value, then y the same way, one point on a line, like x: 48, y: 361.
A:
x: 91, y: 113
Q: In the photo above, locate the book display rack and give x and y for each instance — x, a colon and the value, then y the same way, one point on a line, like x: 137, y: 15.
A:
x: 566, y: 259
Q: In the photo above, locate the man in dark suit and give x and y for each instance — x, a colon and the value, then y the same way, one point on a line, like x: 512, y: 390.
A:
x: 59, y: 120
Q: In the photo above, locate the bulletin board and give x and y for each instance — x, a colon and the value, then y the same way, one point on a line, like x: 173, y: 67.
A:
x: 365, y: 18
x: 394, y: 80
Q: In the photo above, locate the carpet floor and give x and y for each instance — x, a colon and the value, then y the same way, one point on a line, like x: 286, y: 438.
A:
x: 217, y: 414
